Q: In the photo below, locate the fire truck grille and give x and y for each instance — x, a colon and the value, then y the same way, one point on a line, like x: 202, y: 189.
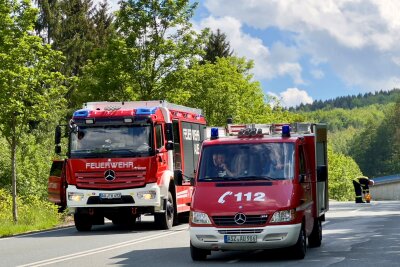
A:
x: 123, y: 180
x: 240, y: 231
x: 123, y: 200
x: 230, y: 220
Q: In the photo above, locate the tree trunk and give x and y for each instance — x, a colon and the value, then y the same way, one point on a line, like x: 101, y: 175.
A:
x: 14, y: 177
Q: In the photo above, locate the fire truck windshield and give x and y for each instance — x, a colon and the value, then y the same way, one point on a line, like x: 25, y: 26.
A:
x: 254, y: 161
x: 111, y: 141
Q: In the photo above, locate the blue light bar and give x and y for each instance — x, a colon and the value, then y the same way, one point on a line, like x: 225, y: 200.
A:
x: 81, y: 113
x: 146, y: 111
x: 286, y: 131
x: 214, y: 133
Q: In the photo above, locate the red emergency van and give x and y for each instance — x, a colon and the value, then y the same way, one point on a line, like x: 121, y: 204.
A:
x: 262, y: 187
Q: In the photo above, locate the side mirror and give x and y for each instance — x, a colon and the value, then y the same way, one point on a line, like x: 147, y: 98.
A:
x: 169, y: 146
x: 57, y: 136
x: 302, y: 178
x: 57, y: 140
x: 322, y: 173
x: 178, y: 177
x: 169, y: 133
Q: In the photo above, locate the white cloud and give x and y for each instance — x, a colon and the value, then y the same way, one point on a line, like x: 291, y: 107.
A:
x: 293, y: 97
x: 277, y: 61
x: 317, y: 74
x: 358, y: 39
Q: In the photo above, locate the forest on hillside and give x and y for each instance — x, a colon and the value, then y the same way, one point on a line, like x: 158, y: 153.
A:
x: 63, y: 53
x: 351, y: 101
x: 370, y: 134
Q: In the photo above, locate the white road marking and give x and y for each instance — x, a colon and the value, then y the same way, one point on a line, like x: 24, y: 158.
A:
x: 37, y: 233
x: 102, y: 249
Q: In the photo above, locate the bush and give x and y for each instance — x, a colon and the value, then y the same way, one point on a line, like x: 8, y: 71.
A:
x: 33, y: 214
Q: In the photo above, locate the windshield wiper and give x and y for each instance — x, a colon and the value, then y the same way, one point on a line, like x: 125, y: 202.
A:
x: 256, y: 177
x: 212, y: 179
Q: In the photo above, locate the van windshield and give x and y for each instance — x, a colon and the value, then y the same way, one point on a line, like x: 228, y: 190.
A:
x: 265, y: 161
x: 111, y: 141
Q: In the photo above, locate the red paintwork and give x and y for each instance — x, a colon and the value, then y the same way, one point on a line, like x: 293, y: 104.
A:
x: 89, y: 173
x: 281, y: 195
x: 277, y: 196
x: 150, y: 170
x: 56, y: 188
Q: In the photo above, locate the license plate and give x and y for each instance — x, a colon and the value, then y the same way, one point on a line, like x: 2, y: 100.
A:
x: 240, y: 238
x: 110, y: 195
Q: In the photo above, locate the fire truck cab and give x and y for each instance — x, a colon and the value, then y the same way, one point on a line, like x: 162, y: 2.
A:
x: 121, y: 161
x: 264, y: 186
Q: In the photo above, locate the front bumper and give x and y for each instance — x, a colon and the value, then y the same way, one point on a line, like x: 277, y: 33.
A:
x: 268, y: 237
x: 126, y: 193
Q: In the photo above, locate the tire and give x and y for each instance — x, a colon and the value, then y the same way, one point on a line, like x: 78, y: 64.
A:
x: 165, y: 220
x: 315, y: 238
x: 300, y: 248
x: 198, y: 254
x: 83, y: 222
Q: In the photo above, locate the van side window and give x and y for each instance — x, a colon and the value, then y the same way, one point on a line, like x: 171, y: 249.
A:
x: 177, y: 146
x: 302, y: 161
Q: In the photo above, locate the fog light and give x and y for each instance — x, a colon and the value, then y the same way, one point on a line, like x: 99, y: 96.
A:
x: 207, y: 238
x: 275, y: 237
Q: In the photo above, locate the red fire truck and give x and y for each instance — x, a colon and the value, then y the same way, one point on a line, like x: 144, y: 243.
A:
x: 263, y: 186
x: 121, y: 160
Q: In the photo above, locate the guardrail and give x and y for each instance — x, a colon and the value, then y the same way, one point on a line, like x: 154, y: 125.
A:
x: 386, y: 188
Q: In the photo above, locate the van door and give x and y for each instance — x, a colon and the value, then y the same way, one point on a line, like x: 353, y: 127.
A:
x: 56, y: 184
x: 305, y: 173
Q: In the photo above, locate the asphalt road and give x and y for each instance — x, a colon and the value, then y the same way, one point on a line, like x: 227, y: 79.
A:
x: 353, y: 235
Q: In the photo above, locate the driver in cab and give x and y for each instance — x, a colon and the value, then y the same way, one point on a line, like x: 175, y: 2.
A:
x: 219, y: 168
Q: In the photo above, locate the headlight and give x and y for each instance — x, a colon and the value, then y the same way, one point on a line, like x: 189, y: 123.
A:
x: 74, y: 196
x: 199, y: 218
x: 147, y: 195
x: 283, y: 216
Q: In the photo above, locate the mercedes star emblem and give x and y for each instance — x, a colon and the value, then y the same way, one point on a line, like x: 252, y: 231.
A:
x: 240, y: 218
x: 109, y: 175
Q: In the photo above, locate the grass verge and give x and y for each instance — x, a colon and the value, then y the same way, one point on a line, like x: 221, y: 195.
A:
x: 33, y: 214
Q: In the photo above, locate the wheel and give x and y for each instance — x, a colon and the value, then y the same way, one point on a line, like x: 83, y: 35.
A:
x: 165, y: 220
x: 83, y: 222
x: 300, y: 248
x: 198, y: 254
x: 315, y: 238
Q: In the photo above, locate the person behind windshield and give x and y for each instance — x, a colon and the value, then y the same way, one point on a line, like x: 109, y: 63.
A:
x: 241, y: 165
x: 272, y: 165
x: 219, y: 168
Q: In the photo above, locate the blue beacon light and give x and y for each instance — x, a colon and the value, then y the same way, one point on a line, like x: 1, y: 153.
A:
x: 214, y: 133
x: 286, y: 131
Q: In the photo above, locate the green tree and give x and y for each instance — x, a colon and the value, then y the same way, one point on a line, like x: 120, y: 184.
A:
x: 217, y: 46
x: 76, y: 36
x: 222, y: 90
x: 47, y: 24
x: 156, y: 38
x: 377, y: 148
x: 29, y: 87
x: 103, y: 25
x: 342, y: 170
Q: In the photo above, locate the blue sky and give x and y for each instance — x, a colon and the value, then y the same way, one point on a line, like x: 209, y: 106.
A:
x: 311, y: 50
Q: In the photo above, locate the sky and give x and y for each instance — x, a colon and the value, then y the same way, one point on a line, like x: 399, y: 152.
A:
x: 312, y: 49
